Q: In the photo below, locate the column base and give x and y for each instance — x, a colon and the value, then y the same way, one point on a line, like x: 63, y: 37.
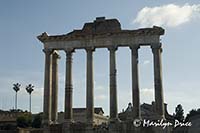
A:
x: 115, y: 126
x: 89, y: 128
x: 46, y: 123
x: 46, y: 130
x: 90, y: 123
x: 55, y: 122
x: 66, y: 126
x: 68, y: 122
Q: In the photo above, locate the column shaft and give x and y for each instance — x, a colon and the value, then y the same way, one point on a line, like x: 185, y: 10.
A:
x: 113, y: 85
x: 135, y: 83
x: 159, y: 100
x: 47, y: 88
x: 90, y: 87
x: 68, y: 87
x: 54, y: 113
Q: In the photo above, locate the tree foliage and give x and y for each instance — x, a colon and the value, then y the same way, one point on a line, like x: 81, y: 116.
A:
x: 179, y: 113
x: 37, y: 121
x: 16, y: 87
x: 24, y: 121
x: 29, y: 88
x: 192, y: 113
x: 27, y: 120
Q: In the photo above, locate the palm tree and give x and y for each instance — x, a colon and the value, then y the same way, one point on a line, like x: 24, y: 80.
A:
x: 29, y: 89
x: 16, y: 87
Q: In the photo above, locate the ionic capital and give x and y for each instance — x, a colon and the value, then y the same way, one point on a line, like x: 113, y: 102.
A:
x: 56, y: 54
x: 47, y: 51
x: 134, y: 47
x: 156, y: 47
x: 69, y: 52
x: 112, y: 48
x: 134, y: 50
x: 90, y: 49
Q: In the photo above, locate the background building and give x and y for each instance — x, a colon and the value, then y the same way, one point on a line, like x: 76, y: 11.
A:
x: 79, y: 115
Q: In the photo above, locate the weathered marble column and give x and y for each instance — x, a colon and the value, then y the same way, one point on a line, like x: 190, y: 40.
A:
x: 47, y: 88
x: 54, y: 107
x: 135, y: 82
x: 113, y: 85
x: 90, y: 87
x: 68, y: 87
x: 159, y: 100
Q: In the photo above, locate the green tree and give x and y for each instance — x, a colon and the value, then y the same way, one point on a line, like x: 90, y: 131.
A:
x: 192, y: 113
x: 16, y: 88
x: 37, y: 121
x: 29, y: 89
x: 24, y: 120
x: 179, y: 113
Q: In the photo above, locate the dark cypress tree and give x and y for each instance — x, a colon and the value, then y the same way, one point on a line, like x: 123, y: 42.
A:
x: 179, y: 113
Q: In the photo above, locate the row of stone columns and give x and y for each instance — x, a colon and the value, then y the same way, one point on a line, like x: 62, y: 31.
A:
x: 159, y: 100
x: 51, y: 85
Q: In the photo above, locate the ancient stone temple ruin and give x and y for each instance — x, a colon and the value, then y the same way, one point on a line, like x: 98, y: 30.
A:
x: 101, y: 33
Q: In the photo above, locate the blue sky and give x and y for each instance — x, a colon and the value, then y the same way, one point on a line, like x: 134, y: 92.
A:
x: 22, y: 59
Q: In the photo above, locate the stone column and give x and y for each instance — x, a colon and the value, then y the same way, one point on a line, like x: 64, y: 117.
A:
x: 159, y: 100
x: 135, y: 83
x: 113, y: 86
x: 90, y: 87
x: 47, y: 88
x: 54, y: 109
x: 68, y: 87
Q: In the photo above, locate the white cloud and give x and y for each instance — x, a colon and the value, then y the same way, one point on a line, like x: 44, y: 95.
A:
x: 100, y: 97
x: 170, y: 15
x: 100, y: 88
x: 146, y: 62
x: 147, y: 91
x: 147, y: 95
x: 38, y: 92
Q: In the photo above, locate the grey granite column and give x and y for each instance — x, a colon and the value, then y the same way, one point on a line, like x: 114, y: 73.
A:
x: 90, y: 87
x: 47, y: 88
x: 113, y: 85
x: 54, y: 107
x: 68, y: 87
x: 159, y: 100
x: 135, y: 83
